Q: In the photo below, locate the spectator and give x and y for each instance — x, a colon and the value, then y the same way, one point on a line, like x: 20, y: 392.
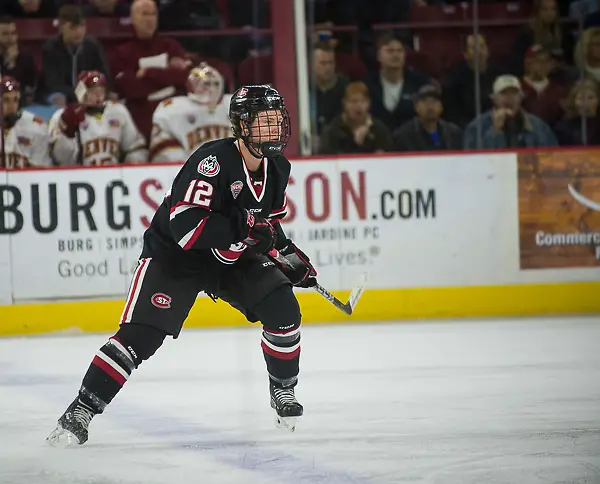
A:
x: 542, y: 95
x: 544, y: 29
x: 329, y: 85
x: 106, y: 8
x: 68, y: 54
x: 393, y: 87
x: 28, y: 8
x: 580, y: 9
x: 507, y: 125
x: 355, y: 131
x: 15, y: 62
x: 459, y: 85
x: 587, y: 54
x: 427, y: 131
x: 149, y: 68
x: 581, y: 125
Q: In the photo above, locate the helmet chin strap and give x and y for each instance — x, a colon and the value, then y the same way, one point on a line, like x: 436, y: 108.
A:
x: 266, y: 149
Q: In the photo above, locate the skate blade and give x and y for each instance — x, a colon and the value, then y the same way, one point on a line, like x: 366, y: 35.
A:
x: 285, y: 423
x: 60, y: 437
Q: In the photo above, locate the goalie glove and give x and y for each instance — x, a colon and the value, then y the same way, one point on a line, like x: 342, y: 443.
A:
x: 70, y: 119
x: 297, y: 266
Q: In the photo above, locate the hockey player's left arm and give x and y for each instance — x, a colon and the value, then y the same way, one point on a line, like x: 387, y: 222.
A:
x: 133, y: 143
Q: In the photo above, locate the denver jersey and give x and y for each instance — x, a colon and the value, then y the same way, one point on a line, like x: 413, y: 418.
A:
x: 180, y: 125
x: 105, y: 139
x: 201, y: 222
x: 26, y: 143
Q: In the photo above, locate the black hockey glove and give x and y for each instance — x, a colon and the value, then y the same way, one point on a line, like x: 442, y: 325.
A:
x: 298, y: 268
x: 261, y: 234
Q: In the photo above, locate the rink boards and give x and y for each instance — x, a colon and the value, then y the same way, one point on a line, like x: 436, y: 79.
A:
x: 459, y: 235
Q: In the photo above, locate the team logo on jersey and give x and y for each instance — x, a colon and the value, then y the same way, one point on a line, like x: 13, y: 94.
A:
x: 161, y: 300
x: 209, y: 166
x: 191, y: 118
x: 236, y: 188
x: 243, y: 92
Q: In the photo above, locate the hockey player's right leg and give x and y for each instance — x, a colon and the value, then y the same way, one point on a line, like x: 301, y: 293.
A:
x: 157, y: 305
x: 111, y: 367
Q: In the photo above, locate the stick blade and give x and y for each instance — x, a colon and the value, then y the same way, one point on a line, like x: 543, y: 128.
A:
x: 356, y: 293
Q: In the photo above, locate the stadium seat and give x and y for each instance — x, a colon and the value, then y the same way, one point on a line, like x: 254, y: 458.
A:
x: 438, y: 14
x: 350, y: 65
x: 256, y: 69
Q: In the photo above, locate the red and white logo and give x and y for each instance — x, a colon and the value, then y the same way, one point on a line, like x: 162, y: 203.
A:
x: 209, y: 166
x: 236, y: 188
x: 161, y: 300
x: 242, y: 92
x: 250, y: 219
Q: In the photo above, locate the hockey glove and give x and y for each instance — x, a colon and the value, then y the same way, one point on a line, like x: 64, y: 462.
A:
x: 261, y: 234
x: 298, y: 268
x: 72, y: 116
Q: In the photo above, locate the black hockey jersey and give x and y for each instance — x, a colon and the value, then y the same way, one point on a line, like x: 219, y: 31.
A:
x: 200, y: 224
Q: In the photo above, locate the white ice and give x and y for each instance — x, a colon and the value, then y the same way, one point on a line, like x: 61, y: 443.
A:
x: 425, y: 402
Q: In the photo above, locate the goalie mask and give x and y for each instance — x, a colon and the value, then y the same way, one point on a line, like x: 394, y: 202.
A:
x: 11, y: 97
x: 205, y: 85
x: 259, y: 118
x: 91, y: 91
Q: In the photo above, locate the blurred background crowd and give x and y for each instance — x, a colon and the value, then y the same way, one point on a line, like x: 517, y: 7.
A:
x: 384, y: 75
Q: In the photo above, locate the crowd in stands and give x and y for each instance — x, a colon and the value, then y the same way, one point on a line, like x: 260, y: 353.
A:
x: 404, y: 89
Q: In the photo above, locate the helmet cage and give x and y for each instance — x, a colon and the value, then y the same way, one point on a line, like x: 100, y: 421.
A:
x: 245, y: 128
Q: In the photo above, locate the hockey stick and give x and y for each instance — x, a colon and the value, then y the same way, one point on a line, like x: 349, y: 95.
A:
x: 355, y: 293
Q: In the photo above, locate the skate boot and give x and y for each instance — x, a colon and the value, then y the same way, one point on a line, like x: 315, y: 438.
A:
x: 72, y: 428
x: 287, y: 409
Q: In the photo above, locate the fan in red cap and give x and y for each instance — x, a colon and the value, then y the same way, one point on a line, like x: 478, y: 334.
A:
x: 25, y: 140
x: 95, y: 131
x: 183, y: 123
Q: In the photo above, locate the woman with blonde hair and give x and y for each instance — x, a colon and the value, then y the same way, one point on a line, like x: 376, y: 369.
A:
x: 544, y: 29
x: 587, y: 53
x: 580, y: 125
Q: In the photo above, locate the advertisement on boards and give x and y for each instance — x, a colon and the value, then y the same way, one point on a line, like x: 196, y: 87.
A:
x: 5, y: 266
x: 409, y: 221
x: 559, y: 209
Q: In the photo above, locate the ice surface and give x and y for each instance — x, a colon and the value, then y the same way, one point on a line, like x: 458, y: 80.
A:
x: 438, y: 402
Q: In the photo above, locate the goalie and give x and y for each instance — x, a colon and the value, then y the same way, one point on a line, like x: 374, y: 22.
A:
x: 95, y: 131
x: 182, y: 124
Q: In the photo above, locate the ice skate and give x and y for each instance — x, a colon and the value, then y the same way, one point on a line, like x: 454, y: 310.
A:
x: 72, y: 428
x: 287, y: 409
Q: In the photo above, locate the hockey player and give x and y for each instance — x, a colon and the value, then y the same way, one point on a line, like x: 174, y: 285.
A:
x: 95, y: 131
x: 25, y: 136
x: 212, y: 233
x: 183, y: 123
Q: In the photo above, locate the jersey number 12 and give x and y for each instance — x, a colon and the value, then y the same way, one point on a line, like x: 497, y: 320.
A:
x: 199, y: 193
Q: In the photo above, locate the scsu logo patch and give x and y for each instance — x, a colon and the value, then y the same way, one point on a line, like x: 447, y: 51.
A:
x: 161, y: 300
x: 209, y: 166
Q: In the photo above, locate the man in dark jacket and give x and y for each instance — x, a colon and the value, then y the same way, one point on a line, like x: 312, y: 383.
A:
x: 393, y: 87
x: 68, y: 54
x: 458, y: 87
x: 426, y: 131
x: 14, y: 61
